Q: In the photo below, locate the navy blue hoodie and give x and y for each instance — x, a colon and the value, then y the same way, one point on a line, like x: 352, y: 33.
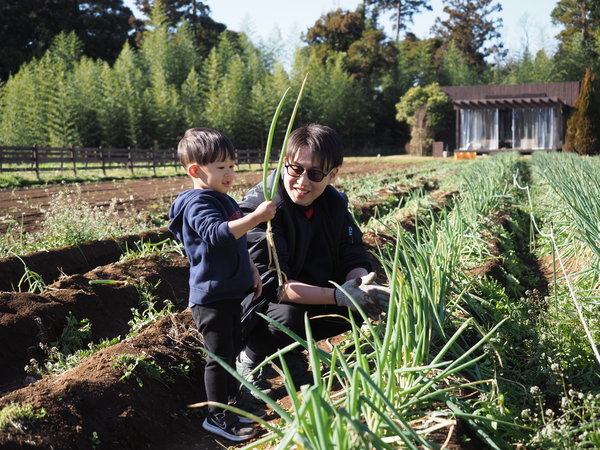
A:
x: 219, y: 263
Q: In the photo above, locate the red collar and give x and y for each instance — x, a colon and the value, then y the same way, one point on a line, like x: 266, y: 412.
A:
x: 308, y: 212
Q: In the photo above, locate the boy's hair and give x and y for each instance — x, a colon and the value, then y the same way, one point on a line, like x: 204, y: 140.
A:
x: 323, y: 141
x: 204, y: 146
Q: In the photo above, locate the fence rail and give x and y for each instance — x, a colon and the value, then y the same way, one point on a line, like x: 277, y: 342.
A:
x: 38, y: 159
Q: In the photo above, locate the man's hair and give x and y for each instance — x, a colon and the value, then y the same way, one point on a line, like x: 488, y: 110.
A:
x: 321, y: 140
x: 204, y: 146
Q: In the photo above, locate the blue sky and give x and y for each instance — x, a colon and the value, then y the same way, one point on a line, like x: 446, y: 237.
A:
x: 524, y: 21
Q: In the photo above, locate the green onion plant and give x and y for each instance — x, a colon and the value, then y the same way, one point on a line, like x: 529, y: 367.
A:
x: 271, y: 191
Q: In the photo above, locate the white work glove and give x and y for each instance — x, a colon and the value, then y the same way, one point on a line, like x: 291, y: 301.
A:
x: 372, y: 297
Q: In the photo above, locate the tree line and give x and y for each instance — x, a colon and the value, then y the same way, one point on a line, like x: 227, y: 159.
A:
x: 181, y: 69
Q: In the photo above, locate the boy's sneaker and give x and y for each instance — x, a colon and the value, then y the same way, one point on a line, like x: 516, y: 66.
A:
x: 228, y: 425
x: 244, y: 366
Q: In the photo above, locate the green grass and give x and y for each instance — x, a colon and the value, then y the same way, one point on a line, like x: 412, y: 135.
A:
x: 24, y: 179
x: 18, y: 416
x: 70, y: 220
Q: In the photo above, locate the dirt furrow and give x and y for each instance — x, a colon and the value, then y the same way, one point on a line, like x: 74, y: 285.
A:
x: 26, y: 319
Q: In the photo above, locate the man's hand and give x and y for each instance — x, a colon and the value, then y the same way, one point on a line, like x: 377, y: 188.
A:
x: 371, y: 297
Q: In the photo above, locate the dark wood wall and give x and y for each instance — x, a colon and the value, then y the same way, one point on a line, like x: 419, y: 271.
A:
x: 567, y: 91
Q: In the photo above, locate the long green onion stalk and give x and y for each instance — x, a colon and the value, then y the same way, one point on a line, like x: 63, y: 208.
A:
x: 270, y: 193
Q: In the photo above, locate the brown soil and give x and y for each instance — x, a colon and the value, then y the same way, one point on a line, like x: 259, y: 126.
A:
x: 24, y: 208
x: 99, y: 403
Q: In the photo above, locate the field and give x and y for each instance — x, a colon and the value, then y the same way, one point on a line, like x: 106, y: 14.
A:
x: 490, y: 342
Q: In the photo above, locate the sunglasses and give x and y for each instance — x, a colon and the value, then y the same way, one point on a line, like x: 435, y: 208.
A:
x: 315, y: 175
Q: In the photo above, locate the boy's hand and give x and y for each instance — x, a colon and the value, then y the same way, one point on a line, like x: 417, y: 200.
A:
x: 266, y: 210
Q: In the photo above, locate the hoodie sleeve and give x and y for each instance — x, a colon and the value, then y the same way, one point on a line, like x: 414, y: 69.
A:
x: 200, y: 214
x: 208, y: 218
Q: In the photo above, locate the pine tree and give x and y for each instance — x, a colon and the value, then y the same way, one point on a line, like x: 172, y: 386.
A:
x: 56, y: 99
x: 456, y: 71
x: 234, y: 94
x: 60, y: 108
x: 402, y: 11
x: 191, y: 100
x: 471, y: 27
x: 181, y: 56
x: 260, y: 110
x: 162, y: 117
x: 20, y: 123
x: 416, y: 61
x: 111, y: 116
x: 88, y: 95
x: 211, y: 77
x: 129, y: 85
x: 583, y: 130
x: 332, y: 96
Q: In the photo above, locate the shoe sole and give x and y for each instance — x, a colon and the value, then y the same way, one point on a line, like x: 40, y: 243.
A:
x: 218, y: 431
x: 244, y: 419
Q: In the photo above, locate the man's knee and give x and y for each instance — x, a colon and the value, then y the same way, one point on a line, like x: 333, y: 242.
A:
x: 289, y: 315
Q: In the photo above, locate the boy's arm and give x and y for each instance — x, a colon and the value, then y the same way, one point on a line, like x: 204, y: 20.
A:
x: 265, y: 211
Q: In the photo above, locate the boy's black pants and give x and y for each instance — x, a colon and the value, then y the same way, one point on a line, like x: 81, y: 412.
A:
x: 219, y: 324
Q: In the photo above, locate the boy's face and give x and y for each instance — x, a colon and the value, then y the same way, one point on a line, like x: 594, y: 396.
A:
x: 217, y: 175
x: 302, y: 190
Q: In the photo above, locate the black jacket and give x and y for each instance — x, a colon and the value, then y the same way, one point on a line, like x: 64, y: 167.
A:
x: 313, y: 251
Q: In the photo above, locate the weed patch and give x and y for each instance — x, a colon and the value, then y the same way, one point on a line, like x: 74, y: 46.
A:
x: 18, y: 416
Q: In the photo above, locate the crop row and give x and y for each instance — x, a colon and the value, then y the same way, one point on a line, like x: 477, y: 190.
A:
x: 482, y: 338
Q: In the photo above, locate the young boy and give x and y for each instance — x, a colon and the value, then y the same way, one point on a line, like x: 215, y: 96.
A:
x: 212, y: 229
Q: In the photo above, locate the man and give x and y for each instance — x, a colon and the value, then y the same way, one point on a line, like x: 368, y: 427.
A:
x: 317, y: 241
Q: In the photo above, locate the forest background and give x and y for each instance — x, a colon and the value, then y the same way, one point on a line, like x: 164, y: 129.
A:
x: 87, y: 74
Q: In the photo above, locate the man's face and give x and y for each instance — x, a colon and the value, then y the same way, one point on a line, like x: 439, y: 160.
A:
x: 302, y: 190
x: 217, y: 176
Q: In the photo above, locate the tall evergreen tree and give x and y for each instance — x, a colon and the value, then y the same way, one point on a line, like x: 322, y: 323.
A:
x: 182, y: 55
x: 456, y: 71
x: 583, y: 129
x: 579, y: 17
x: 417, y: 62
x: 128, y: 87
x: 402, y: 11
x: 20, y: 123
x: 471, y: 27
x: 578, y: 47
x: 111, y: 116
x: 163, y: 117
x: 204, y: 30
x: 234, y: 93
x: 61, y: 111
x: 191, y: 100
x: 88, y: 96
x: 368, y: 52
x: 211, y: 76
x: 332, y: 96
x: 176, y: 10
x: 573, y: 58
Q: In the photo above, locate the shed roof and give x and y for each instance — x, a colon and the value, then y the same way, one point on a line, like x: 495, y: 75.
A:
x: 513, y: 95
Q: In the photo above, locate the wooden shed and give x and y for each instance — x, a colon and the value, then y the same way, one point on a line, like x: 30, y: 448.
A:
x: 522, y: 117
